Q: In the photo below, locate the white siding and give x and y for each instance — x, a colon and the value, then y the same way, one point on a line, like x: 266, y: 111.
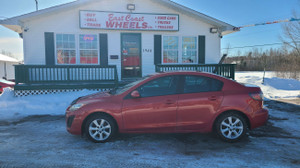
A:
x: 68, y: 22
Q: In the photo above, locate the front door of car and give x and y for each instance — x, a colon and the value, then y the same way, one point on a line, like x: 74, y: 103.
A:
x: 201, y: 98
x: 155, y: 109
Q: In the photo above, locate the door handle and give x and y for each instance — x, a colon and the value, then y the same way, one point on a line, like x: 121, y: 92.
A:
x: 170, y: 102
x: 212, y: 98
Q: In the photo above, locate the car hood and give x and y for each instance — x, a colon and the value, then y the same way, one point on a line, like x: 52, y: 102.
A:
x: 101, y: 96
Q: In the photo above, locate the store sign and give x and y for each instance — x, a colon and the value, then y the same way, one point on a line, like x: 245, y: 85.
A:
x: 128, y: 21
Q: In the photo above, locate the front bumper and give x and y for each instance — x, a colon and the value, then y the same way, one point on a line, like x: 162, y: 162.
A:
x: 259, y: 118
x: 73, y: 123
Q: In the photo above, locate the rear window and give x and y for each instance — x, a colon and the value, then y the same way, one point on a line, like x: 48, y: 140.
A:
x: 197, y: 84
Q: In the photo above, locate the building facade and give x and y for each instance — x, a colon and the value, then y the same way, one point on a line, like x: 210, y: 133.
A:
x: 71, y: 42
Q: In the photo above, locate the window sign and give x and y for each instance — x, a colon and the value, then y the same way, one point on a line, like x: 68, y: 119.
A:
x: 128, y: 21
x: 88, y: 46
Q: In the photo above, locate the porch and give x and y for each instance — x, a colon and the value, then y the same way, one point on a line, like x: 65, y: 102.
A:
x: 75, y: 77
x: 44, y: 77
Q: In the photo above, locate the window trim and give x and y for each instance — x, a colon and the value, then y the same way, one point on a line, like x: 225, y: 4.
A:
x: 77, y: 48
x: 180, y: 50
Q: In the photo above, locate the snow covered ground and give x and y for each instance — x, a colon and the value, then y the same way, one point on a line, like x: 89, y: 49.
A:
x: 14, y: 108
x: 273, y: 87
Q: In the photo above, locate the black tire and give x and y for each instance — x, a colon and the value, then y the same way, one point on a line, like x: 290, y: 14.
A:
x: 100, y: 128
x: 231, y: 127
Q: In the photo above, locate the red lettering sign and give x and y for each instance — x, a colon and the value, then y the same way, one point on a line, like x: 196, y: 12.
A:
x: 128, y: 21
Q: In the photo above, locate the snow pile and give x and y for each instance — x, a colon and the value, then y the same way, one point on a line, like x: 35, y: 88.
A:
x: 12, y: 107
x: 273, y: 88
x: 283, y: 84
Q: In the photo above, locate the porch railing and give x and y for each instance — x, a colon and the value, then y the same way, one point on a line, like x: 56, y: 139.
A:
x: 226, y: 70
x: 57, y: 74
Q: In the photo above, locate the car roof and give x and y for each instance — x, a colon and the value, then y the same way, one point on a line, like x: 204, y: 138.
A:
x: 207, y: 74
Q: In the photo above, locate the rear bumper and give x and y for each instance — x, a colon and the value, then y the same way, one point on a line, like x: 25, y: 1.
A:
x: 259, y: 118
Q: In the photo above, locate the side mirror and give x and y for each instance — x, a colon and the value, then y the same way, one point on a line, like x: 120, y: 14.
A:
x: 135, y: 94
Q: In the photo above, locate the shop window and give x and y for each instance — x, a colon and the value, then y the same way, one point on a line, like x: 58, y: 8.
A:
x: 181, y: 50
x: 170, y: 49
x: 88, y: 49
x: 189, y: 49
x: 65, y: 49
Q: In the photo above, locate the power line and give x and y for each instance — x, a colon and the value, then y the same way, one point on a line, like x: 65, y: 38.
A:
x: 259, y: 45
x: 267, y: 23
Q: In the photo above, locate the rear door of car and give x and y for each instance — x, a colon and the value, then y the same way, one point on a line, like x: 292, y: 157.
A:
x: 200, y: 99
x: 155, y: 110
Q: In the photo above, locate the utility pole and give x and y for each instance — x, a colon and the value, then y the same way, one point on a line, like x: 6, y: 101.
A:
x: 37, y: 5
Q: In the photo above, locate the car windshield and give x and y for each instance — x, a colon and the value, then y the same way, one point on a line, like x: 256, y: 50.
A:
x: 123, y: 89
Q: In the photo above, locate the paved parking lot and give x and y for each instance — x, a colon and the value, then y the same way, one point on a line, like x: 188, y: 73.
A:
x: 42, y: 141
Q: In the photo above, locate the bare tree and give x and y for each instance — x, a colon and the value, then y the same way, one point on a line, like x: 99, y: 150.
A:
x: 291, y: 34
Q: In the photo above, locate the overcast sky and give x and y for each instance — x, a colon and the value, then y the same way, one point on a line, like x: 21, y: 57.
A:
x: 235, y: 12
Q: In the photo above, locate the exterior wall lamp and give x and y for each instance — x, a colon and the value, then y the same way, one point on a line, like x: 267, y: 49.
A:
x: 131, y: 7
x: 214, y: 30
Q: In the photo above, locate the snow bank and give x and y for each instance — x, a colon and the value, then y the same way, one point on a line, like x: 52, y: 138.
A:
x: 283, y: 84
x: 12, y: 107
x: 273, y: 88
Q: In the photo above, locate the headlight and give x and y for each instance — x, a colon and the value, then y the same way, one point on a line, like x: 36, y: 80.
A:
x: 75, y: 107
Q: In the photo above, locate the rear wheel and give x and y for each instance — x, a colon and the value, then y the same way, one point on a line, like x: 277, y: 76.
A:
x: 100, y: 128
x: 231, y: 127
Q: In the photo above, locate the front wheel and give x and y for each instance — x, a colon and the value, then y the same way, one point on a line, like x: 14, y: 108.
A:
x: 231, y: 127
x: 100, y: 128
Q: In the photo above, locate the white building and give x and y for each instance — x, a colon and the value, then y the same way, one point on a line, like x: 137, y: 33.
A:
x: 7, y: 70
x: 135, y: 36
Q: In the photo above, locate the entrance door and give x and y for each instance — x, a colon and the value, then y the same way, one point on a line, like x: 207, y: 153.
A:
x: 131, y: 55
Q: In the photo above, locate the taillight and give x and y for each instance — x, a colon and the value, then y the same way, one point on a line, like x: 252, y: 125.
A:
x: 257, y: 96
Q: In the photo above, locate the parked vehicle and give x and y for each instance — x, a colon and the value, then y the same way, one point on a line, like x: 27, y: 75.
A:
x: 5, y: 83
x: 174, y: 102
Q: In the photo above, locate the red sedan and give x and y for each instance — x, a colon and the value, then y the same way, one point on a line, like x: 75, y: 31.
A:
x: 5, y: 83
x: 176, y: 102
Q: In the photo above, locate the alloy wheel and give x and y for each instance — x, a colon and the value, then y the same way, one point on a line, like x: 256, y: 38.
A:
x: 100, y: 129
x: 231, y: 127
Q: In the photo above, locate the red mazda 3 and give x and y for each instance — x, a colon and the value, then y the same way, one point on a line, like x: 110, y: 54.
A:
x: 175, y: 102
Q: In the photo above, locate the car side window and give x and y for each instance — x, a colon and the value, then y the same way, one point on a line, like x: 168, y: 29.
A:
x: 159, y: 87
x: 197, y: 84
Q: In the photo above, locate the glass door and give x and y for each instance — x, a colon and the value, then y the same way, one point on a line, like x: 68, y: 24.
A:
x: 131, y: 55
